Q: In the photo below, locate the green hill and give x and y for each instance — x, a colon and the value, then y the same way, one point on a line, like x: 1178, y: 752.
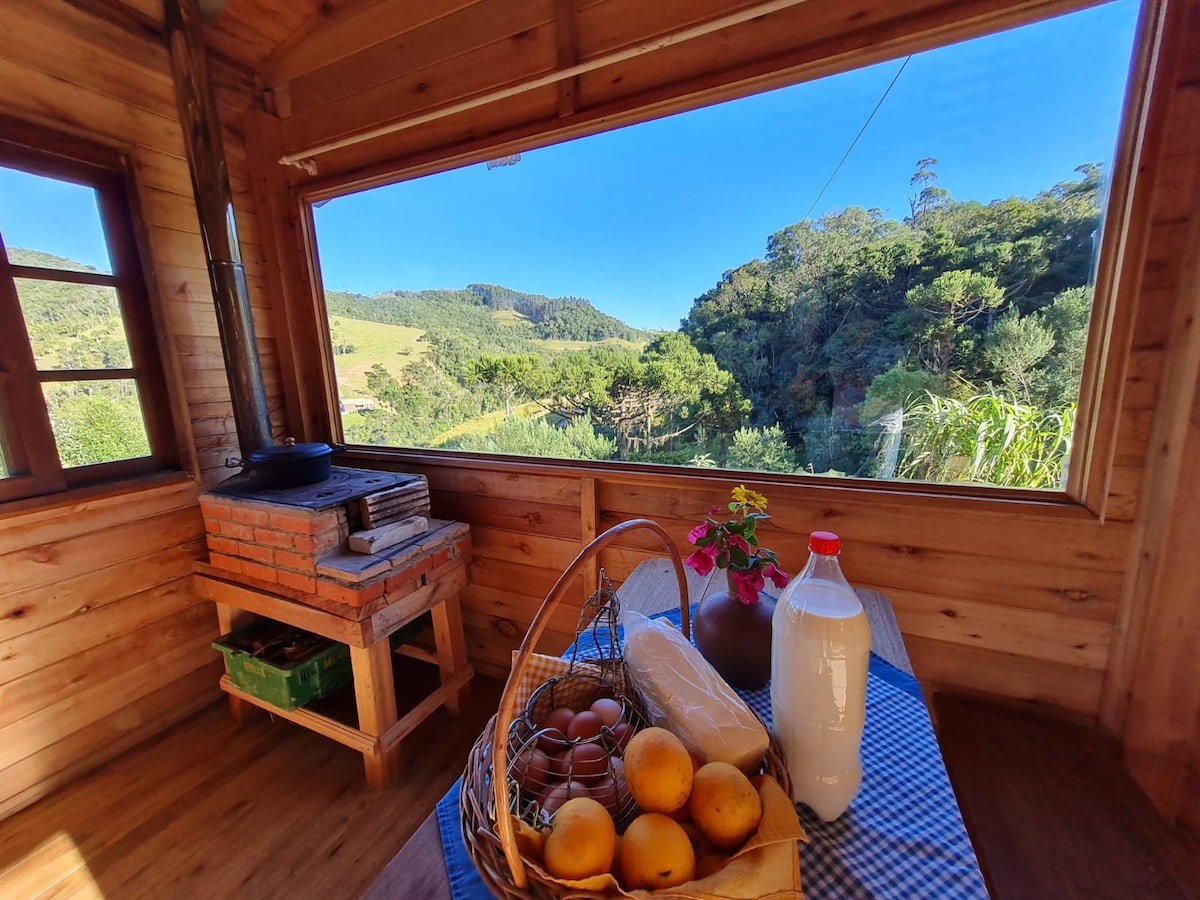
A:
x: 481, y: 310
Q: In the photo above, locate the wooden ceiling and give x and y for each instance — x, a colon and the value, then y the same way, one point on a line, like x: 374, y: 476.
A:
x: 369, y: 87
x: 249, y: 31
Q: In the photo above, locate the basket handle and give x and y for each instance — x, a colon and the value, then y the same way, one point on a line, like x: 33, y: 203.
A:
x: 508, y: 700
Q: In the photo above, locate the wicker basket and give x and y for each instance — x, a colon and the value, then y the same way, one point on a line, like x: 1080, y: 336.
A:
x: 490, y: 838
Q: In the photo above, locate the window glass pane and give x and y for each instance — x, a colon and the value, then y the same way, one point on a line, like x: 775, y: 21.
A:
x: 882, y: 274
x: 73, y: 326
x: 96, y: 421
x: 51, y: 223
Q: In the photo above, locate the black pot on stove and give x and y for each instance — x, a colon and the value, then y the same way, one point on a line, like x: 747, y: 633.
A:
x: 290, y: 464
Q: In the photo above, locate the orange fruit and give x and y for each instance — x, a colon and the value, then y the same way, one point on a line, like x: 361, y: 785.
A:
x: 582, y: 841
x: 724, y: 805
x: 656, y: 853
x: 658, y: 770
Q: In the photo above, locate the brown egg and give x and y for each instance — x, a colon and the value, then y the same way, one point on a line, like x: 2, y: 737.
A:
x: 604, y: 792
x: 623, y: 733
x: 554, y: 797
x: 586, y: 763
x: 532, y: 770
x: 559, y: 718
x: 585, y: 726
x: 560, y: 764
x: 609, y: 711
x: 551, y: 741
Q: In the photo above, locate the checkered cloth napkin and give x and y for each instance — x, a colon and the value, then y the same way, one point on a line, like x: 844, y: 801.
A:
x: 902, y: 837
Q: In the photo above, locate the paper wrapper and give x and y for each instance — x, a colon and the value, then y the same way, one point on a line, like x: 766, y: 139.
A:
x: 767, y: 867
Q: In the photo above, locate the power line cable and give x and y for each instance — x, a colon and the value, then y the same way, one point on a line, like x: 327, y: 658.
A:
x: 854, y: 143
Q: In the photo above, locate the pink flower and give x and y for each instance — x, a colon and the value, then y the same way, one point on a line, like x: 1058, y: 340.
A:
x: 697, y: 533
x: 747, y: 584
x: 702, y: 560
x: 715, y: 510
x: 777, y: 575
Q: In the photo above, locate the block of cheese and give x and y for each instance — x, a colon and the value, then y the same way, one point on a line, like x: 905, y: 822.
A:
x: 686, y: 696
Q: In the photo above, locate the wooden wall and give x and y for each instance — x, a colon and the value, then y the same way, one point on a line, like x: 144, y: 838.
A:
x: 102, y: 641
x: 1153, y: 696
x: 1041, y: 601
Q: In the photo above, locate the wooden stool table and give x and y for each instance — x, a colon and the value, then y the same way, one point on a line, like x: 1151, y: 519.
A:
x: 428, y: 578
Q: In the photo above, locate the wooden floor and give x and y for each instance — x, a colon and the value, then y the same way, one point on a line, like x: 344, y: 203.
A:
x: 211, y: 809
x: 269, y: 810
x: 1053, y: 814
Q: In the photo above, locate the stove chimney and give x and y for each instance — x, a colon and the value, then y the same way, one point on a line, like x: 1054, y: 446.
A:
x: 218, y: 228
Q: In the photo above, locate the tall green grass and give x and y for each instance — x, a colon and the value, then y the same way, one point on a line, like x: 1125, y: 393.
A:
x: 986, y: 439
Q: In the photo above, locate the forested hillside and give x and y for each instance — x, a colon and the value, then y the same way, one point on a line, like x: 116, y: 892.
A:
x: 947, y: 346
x: 855, y: 316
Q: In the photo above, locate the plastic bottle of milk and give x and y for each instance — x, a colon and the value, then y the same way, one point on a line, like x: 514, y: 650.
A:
x: 819, y: 657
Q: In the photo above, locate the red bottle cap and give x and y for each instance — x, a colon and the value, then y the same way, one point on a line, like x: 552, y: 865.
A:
x: 824, y: 542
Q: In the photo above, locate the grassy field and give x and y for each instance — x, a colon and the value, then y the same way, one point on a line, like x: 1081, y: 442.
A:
x: 395, y: 346
x: 509, y: 317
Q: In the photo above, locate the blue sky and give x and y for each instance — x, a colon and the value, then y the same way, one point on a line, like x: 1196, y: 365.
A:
x: 644, y: 219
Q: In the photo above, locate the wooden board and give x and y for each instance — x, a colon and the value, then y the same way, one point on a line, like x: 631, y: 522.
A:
x: 384, y: 537
x: 397, y: 503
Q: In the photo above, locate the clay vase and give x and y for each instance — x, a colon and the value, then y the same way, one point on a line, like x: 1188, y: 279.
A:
x: 735, y: 637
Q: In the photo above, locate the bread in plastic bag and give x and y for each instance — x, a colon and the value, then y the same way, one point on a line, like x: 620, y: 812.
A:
x: 684, y: 694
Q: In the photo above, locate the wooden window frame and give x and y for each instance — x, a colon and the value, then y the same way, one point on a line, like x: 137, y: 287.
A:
x: 24, y: 421
x: 1125, y: 214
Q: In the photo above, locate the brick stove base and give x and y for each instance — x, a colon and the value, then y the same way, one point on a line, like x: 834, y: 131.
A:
x: 298, y: 538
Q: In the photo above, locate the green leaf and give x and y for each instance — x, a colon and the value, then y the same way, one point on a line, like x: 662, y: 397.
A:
x: 738, y: 558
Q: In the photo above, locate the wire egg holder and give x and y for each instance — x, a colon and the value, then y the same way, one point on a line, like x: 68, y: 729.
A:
x: 600, y: 674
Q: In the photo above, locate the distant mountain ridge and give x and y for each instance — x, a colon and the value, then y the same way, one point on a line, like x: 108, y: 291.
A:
x: 561, y: 318
x: 19, y: 256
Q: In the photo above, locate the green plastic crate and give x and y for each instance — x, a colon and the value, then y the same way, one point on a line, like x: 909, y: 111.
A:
x: 287, y: 686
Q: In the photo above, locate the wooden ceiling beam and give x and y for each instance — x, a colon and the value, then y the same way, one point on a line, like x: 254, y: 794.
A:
x: 566, y: 23
x: 228, y: 71
x: 344, y: 27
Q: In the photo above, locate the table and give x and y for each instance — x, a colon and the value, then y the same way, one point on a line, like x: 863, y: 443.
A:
x: 843, y: 858
x: 438, y: 564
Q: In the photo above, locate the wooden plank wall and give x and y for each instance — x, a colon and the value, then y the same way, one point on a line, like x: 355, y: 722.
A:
x: 1006, y: 598
x: 102, y: 640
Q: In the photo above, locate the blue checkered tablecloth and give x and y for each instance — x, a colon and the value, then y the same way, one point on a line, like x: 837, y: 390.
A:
x: 902, y: 837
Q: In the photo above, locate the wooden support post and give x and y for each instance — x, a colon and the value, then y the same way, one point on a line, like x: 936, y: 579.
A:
x: 375, y: 694
x: 589, y: 528
x: 451, y: 648
x: 229, y: 619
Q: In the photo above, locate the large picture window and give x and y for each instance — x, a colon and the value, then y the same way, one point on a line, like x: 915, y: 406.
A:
x: 883, y: 274
x: 82, y: 396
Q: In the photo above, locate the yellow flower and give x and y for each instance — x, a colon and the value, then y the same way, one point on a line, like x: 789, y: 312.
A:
x: 747, y: 497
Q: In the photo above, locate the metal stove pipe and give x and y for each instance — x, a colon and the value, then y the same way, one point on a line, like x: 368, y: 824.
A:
x: 218, y: 227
